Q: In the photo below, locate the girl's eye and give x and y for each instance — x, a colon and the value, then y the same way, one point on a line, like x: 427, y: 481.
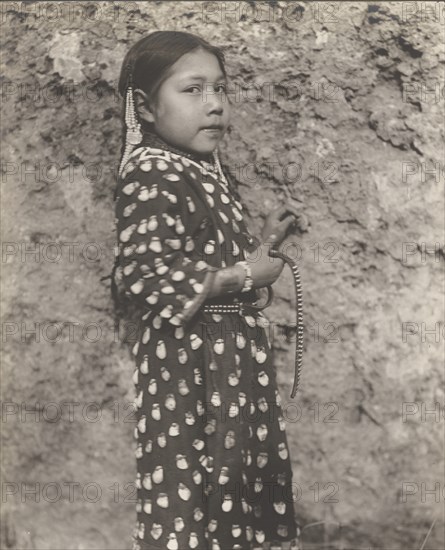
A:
x: 191, y: 88
x: 219, y: 88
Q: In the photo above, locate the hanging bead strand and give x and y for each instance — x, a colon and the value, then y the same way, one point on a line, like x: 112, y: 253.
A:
x: 133, y: 134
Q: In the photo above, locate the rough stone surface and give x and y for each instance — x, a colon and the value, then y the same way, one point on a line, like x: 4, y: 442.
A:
x: 347, y: 144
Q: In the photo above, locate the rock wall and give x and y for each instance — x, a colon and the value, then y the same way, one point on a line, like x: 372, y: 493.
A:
x: 337, y: 107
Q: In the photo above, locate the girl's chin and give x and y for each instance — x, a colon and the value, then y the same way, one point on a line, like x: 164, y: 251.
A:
x: 206, y: 142
x: 203, y: 150
x: 203, y: 146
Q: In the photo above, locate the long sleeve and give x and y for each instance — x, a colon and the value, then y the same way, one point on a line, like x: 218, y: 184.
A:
x: 160, y: 265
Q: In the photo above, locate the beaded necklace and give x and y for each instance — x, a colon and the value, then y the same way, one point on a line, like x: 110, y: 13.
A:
x: 208, y: 161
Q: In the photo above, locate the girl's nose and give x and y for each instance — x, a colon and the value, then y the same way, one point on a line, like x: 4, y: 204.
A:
x: 215, y: 103
x: 215, y: 106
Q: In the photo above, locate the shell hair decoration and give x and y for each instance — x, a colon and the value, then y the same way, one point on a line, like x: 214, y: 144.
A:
x: 133, y: 135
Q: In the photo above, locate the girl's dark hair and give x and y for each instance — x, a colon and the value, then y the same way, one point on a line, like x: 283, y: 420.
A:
x: 145, y: 66
x: 147, y: 61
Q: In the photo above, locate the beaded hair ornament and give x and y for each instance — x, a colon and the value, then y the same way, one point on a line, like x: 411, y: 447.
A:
x: 133, y: 134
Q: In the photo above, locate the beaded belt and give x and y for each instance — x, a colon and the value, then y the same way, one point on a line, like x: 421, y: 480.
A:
x: 223, y: 308
x: 239, y: 307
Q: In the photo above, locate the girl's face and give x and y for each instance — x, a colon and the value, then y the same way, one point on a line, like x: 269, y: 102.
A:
x: 191, y: 109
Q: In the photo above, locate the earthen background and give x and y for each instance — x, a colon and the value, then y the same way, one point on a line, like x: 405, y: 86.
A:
x: 360, y: 131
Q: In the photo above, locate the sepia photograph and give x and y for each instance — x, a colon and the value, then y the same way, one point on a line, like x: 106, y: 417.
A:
x: 222, y: 275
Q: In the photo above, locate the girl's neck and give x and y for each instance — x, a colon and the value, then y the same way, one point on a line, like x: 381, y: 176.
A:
x: 154, y: 140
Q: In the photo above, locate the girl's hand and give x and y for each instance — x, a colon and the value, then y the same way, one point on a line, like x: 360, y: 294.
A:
x: 280, y: 220
x: 267, y: 269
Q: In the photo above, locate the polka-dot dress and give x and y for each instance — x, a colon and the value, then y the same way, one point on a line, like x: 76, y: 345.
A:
x: 213, y: 465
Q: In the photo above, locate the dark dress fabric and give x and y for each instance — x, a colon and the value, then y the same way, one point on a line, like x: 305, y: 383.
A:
x: 213, y: 467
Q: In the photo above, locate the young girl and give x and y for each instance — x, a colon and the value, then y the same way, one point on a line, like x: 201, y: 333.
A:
x: 213, y: 468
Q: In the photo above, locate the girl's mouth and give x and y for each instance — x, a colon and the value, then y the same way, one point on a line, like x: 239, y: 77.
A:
x: 212, y: 132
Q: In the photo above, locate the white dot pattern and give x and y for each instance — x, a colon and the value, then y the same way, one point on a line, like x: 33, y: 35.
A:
x: 213, y: 467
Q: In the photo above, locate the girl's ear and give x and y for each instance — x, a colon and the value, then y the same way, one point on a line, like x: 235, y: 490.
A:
x: 142, y: 105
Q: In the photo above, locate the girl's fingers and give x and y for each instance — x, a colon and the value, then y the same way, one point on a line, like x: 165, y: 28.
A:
x: 280, y: 213
x: 288, y: 220
x: 280, y: 230
x: 284, y: 227
x: 280, y: 209
x: 273, y: 239
x: 293, y: 211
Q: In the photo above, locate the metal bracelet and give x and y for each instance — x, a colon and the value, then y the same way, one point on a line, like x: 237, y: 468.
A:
x: 248, y: 281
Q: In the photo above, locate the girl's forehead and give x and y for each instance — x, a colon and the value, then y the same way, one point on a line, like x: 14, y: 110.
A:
x: 197, y: 65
